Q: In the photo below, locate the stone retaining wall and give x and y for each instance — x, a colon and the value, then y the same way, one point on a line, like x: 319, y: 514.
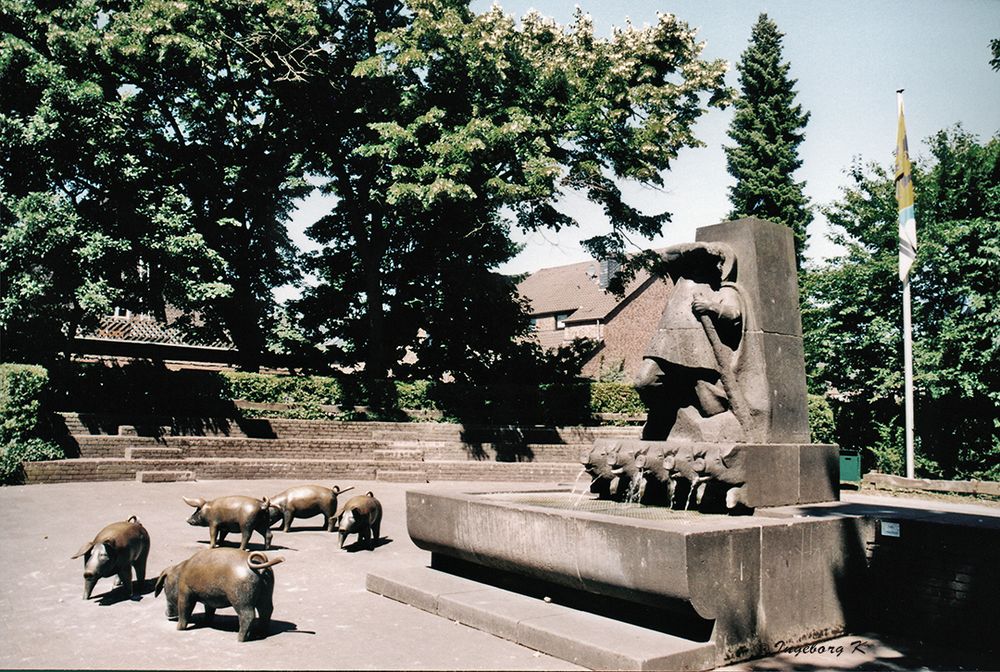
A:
x: 120, y: 447
x: 937, y: 579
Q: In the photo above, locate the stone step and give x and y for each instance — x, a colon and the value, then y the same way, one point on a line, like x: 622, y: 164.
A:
x: 397, y: 454
x: 164, y: 476
x: 214, y: 468
x: 582, y: 638
x: 422, y: 444
x: 146, y: 453
x: 401, y: 476
x: 400, y: 465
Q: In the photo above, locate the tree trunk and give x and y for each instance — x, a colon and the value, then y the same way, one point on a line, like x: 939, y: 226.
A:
x: 243, y: 320
x: 376, y: 364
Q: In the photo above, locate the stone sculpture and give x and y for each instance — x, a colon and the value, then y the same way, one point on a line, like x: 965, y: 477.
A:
x: 722, y: 372
x: 220, y: 577
x: 116, y: 550
x: 695, y: 369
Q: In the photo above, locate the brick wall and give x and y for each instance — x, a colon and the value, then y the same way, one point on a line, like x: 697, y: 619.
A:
x: 938, y: 580
x: 627, y: 331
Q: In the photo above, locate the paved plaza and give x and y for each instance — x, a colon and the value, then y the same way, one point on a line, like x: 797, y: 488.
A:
x: 323, y: 618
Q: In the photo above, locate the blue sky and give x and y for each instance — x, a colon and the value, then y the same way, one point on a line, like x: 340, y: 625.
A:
x: 848, y: 57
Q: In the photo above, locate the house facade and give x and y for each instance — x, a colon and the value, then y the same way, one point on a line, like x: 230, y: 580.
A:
x: 572, y: 301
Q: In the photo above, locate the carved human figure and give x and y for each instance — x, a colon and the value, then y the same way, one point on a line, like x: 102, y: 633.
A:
x: 689, y: 370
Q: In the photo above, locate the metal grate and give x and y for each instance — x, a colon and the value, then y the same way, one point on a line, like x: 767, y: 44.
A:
x: 588, y: 504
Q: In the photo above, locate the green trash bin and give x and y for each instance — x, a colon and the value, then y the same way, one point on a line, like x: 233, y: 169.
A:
x: 850, y: 466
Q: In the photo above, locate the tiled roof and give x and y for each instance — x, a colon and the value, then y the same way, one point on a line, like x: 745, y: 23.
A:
x: 144, y: 329
x: 573, y: 289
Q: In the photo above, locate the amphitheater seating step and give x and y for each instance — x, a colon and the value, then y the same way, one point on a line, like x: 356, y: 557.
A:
x: 164, y: 476
x: 401, y: 476
x: 159, y: 448
x: 398, y: 454
x: 155, y: 453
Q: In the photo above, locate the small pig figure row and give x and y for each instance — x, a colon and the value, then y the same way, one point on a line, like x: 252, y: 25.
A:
x: 219, y: 577
x: 361, y: 515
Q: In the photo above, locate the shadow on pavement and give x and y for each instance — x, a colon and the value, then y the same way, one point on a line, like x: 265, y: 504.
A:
x: 364, y: 545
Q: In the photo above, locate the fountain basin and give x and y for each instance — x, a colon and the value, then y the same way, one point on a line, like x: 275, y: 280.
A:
x: 760, y: 580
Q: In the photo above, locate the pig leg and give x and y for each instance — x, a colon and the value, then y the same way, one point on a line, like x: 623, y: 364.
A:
x: 265, y: 532
x: 125, y: 577
x: 245, y: 533
x: 287, y: 526
x: 245, y: 614
x: 209, y: 614
x: 376, y: 530
x: 140, y: 573
x: 265, y: 607
x: 185, y: 606
x: 213, y: 532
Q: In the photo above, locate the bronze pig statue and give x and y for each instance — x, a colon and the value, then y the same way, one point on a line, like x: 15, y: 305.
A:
x: 116, y: 549
x: 220, y: 577
x: 306, y: 501
x: 361, y: 515
x: 232, y: 514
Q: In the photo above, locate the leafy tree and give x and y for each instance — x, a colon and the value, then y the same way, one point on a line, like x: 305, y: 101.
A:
x: 439, y: 118
x: 212, y: 80
x: 852, y: 313
x: 995, y: 50
x: 768, y: 128
x: 87, y: 221
x: 151, y: 161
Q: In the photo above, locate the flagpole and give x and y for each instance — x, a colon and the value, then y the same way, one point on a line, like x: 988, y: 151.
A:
x: 907, y: 348
x: 908, y: 376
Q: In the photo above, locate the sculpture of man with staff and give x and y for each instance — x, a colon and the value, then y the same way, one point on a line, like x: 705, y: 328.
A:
x: 689, y: 379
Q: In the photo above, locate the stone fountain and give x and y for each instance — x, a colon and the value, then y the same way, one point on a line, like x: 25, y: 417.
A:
x: 688, y: 552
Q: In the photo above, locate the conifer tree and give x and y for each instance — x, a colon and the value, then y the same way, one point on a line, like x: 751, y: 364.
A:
x: 768, y: 129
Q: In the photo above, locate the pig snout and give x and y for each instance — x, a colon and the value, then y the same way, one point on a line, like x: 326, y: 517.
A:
x: 198, y: 517
x: 97, y: 564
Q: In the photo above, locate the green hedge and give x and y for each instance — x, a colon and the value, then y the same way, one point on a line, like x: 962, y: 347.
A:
x: 263, y: 388
x: 23, y: 419
x: 148, y: 389
x: 144, y: 388
x: 822, y: 428
x: 615, y: 398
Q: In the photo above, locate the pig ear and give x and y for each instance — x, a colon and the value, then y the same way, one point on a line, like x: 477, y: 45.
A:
x: 83, y: 550
x: 196, y: 503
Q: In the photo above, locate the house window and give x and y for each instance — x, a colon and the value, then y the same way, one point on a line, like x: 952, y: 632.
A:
x: 561, y: 320
x: 534, y: 324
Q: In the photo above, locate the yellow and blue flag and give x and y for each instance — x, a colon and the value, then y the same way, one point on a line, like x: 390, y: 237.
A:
x: 904, y: 199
